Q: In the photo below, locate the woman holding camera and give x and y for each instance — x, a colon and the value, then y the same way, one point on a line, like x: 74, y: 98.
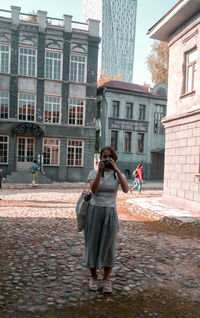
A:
x: 101, y: 223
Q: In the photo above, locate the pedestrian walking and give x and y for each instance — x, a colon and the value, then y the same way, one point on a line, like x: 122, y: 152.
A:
x: 41, y: 162
x: 33, y: 171
x: 101, y: 221
x: 138, y: 178
x: 1, y: 178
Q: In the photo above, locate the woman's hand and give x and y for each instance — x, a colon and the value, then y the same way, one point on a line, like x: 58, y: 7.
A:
x: 115, y: 168
x: 101, y: 167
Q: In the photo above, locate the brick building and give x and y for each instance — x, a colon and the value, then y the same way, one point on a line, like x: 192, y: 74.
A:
x: 129, y: 118
x: 48, y: 75
x: 180, y: 27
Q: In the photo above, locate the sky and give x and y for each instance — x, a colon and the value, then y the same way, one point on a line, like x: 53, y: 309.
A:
x: 148, y: 13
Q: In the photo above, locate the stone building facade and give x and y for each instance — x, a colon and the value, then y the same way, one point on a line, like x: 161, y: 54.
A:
x: 180, y: 27
x: 48, y: 75
x: 129, y: 118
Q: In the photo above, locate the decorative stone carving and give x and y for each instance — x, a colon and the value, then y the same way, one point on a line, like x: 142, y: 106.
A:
x: 54, y: 43
x: 5, y: 37
x: 28, y: 39
x: 27, y: 129
x: 78, y: 47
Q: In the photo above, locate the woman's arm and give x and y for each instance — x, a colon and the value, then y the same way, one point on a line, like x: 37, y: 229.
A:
x: 94, y: 183
x: 122, y: 180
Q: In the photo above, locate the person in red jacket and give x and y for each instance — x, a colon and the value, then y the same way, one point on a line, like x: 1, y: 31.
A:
x: 138, y: 180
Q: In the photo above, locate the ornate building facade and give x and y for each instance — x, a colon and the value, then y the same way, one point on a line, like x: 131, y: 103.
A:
x: 48, y: 76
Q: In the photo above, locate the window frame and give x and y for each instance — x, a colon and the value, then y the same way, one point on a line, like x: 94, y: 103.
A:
x: 5, y: 163
x: 113, y: 108
x: 125, y: 145
x: 85, y: 68
x: 187, y: 66
x: 129, y: 117
x: 61, y: 65
x: 9, y: 56
x: 144, y: 106
x: 28, y: 63
x: 159, y: 129
x: 43, y: 145
x: 117, y: 131
x: 51, y: 122
x: 74, y: 153
x: 76, y: 112
x: 140, y: 152
x: 5, y: 91
x: 35, y: 106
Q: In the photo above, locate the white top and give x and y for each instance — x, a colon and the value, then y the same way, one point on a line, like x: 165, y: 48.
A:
x: 107, y: 191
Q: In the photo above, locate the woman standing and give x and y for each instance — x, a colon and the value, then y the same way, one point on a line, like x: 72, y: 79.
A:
x: 101, y: 223
x: 138, y: 180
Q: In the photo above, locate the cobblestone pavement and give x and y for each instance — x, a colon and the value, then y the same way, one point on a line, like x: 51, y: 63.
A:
x: 42, y: 255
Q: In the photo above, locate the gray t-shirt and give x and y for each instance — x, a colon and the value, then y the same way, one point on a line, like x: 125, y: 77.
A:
x: 107, y: 191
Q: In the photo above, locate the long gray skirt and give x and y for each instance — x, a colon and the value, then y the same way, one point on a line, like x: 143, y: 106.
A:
x: 101, y: 227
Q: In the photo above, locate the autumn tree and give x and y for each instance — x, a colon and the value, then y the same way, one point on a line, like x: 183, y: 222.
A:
x: 32, y: 17
x: 158, y: 61
x: 105, y: 78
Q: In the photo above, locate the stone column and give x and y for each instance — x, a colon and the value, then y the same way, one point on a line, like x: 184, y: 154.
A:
x: 67, y: 23
x: 15, y: 11
x: 42, y: 20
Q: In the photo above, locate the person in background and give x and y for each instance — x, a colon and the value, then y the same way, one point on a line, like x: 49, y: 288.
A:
x: 101, y: 221
x: 1, y: 178
x: 138, y: 180
x: 41, y: 162
x: 33, y: 171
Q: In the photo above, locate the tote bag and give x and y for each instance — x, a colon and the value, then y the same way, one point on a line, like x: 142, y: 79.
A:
x: 81, y: 208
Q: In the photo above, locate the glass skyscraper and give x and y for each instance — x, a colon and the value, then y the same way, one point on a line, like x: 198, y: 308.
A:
x: 117, y: 30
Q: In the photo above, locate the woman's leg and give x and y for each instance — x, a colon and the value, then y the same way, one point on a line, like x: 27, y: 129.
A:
x: 107, y: 272
x: 139, y: 185
x: 93, y: 271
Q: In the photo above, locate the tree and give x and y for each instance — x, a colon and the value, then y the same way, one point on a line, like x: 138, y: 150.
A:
x: 104, y: 78
x: 158, y: 62
x: 32, y: 17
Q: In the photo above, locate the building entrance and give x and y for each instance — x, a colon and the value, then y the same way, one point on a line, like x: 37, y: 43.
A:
x: 25, y: 152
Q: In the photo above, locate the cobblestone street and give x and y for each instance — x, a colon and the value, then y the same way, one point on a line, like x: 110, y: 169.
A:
x: 42, y: 258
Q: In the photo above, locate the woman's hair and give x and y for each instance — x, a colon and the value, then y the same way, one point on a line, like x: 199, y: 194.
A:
x: 34, y: 161
x: 140, y: 165
x: 112, y: 150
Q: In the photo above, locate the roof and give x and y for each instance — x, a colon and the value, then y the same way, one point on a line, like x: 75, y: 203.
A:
x: 129, y: 87
x: 126, y: 86
x: 181, y: 12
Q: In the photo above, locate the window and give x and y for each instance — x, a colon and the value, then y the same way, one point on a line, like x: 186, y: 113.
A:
x: 27, y: 61
x: 75, y: 153
x: 127, y: 142
x: 190, y: 70
x: 77, y: 68
x: 3, y: 149
x: 158, y: 115
x: 114, y: 139
x: 76, y: 112
x: 52, y: 109
x: 3, y: 104
x: 129, y: 110
x: 140, y: 143
x: 26, y: 107
x: 141, y: 112
x: 53, y: 65
x: 4, y: 59
x: 115, y: 109
x: 51, y: 151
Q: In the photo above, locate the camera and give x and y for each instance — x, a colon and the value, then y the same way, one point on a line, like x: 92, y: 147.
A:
x: 107, y: 164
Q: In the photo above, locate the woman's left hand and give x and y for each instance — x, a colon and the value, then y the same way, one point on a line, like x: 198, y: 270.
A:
x: 115, y: 168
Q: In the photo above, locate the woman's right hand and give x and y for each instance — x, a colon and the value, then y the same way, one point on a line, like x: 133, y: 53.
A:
x: 101, y: 166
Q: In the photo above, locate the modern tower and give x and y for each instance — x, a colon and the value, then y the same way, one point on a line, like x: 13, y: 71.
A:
x: 117, y: 30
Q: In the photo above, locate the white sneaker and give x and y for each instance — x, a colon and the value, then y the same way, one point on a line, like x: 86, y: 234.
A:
x: 93, y: 283
x: 107, y: 286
